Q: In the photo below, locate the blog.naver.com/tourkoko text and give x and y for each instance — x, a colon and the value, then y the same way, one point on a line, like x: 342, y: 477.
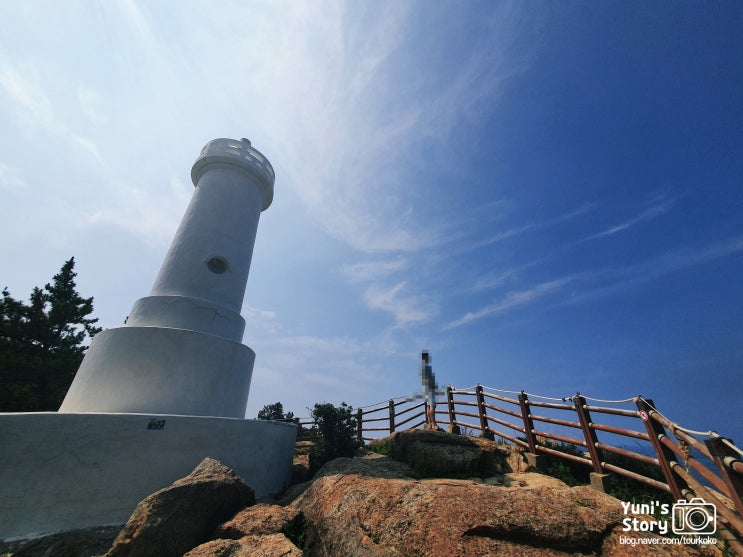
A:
x: 689, y: 522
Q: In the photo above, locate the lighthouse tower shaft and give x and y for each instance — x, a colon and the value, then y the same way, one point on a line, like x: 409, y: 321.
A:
x: 180, y: 350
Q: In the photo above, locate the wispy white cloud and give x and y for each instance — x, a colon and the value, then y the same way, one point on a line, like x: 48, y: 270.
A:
x: 350, y: 149
x: 475, y: 78
x: 340, y: 106
x: 611, y: 281
x: 293, y: 351
x: 646, y: 215
x: 151, y: 216
x: 262, y: 321
x: 305, y: 344
x: 22, y: 84
x: 513, y: 300
x: 661, y: 206
x: 87, y: 145
x: 405, y: 307
x: 10, y: 177
x: 534, y: 226
x: 491, y: 280
x: 318, y: 368
x: 134, y: 17
x: 595, y: 284
x: 91, y: 104
x: 373, y: 270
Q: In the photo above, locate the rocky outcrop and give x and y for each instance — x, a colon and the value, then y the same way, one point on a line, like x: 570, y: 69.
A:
x: 438, y: 454
x: 257, y: 520
x: 301, y: 464
x: 522, y: 514
x: 375, y: 506
x: 85, y: 542
x: 175, y: 519
x: 372, y: 465
x: 244, y: 534
x: 269, y: 545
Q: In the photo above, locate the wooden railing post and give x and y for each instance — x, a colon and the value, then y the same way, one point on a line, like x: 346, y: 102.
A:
x: 534, y: 459
x: 486, y: 433
x: 453, y: 426
x: 528, y: 422
x: 598, y: 476
x: 392, y: 417
x: 665, y: 456
x: 726, y: 458
x: 360, y: 425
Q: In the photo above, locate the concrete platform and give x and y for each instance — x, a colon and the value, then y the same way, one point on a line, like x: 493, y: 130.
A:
x: 65, y: 471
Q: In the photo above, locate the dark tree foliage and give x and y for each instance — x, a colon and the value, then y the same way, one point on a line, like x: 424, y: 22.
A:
x: 274, y: 412
x: 41, y: 343
x: 336, y: 430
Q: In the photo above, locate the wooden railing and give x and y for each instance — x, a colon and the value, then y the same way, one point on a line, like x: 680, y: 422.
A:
x: 691, y: 464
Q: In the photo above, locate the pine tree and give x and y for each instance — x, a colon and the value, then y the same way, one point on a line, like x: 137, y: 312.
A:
x: 274, y: 412
x: 42, y: 343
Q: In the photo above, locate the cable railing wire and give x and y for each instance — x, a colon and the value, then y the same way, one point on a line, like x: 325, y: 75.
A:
x: 685, y: 436
x: 680, y: 428
x: 675, y: 426
x: 539, y: 441
x: 623, y: 401
x: 557, y: 399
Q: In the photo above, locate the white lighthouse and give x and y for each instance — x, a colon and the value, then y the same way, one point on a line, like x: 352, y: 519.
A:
x: 180, y: 350
x: 156, y: 396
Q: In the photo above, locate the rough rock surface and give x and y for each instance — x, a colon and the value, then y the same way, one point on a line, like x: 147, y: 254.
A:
x: 372, y: 465
x: 373, y: 506
x: 183, y: 515
x: 439, y: 454
x: 269, y: 545
x: 355, y: 515
x: 86, y: 542
x: 256, y: 520
x: 301, y: 464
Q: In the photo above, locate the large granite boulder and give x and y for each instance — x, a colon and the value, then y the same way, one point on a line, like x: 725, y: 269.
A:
x: 373, y: 506
x: 372, y: 465
x: 520, y: 514
x: 269, y: 545
x: 176, y: 519
x: 257, y: 531
x: 257, y: 520
x: 439, y: 454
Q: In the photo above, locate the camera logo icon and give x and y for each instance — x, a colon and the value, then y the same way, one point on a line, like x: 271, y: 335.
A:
x: 694, y: 517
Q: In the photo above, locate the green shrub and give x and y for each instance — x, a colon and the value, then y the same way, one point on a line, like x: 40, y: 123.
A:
x: 561, y: 470
x: 626, y: 489
x: 336, y: 430
x: 621, y: 487
x: 297, y: 531
x: 385, y: 447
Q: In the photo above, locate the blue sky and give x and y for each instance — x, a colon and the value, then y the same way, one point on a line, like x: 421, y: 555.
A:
x: 545, y: 195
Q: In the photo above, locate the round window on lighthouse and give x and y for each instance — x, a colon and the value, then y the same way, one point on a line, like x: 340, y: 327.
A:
x: 217, y: 265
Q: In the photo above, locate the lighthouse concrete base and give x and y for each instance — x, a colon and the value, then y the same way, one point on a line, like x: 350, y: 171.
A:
x: 163, y: 370
x: 62, y: 472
